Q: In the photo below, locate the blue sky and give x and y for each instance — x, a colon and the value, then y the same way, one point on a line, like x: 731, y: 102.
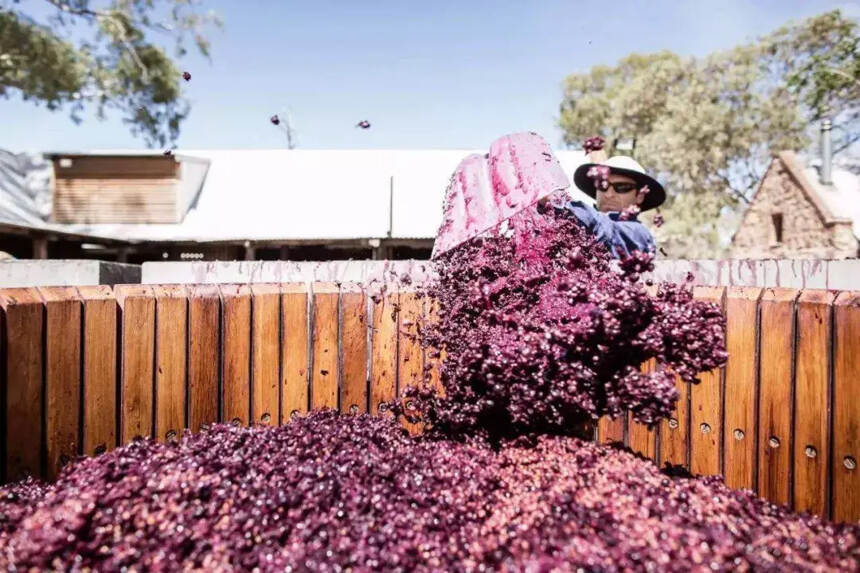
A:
x: 439, y: 74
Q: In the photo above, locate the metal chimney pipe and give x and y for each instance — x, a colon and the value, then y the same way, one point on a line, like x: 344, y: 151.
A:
x: 826, y: 153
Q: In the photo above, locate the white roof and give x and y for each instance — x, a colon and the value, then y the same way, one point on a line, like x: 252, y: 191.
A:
x: 842, y: 197
x: 307, y: 194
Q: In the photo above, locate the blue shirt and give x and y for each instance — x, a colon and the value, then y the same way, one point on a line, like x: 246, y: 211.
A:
x: 620, y: 237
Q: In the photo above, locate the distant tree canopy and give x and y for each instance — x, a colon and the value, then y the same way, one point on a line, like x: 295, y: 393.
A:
x: 710, y: 126
x: 81, y: 55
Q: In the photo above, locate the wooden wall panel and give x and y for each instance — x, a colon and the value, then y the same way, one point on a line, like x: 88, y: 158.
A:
x: 741, y: 387
x: 266, y: 354
x: 706, y: 407
x: 812, y: 420
x: 354, y: 359
x: 324, y: 375
x: 23, y: 332
x: 137, y: 351
x: 100, y: 369
x: 846, y: 408
x: 776, y: 370
x: 204, y: 356
x: 383, y: 386
x: 62, y: 376
x: 236, y: 353
x: 171, y: 338
x: 295, y: 375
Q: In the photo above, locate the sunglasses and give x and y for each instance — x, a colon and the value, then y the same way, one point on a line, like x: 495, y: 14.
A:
x: 622, y: 188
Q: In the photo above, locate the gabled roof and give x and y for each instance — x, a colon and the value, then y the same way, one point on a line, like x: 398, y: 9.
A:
x: 304, y: 195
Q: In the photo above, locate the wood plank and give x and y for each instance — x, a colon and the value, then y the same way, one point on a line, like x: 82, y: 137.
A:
x: 641, y: 437
x: 706, y: 412
x: 62, y: 376
x: 324, y: 374
x: 137, y: 351
x: 23, y: 314
x: 776, y: 386
x: 295, y: 381
x: 846, y: 408
x: 236, y: 353
x: 383, y: 385
x: 353, y: 334
x: 433, y: 357
x: 266, y: 354
x: 675, y: 430
x: 171, y: 338
x: 100, y: 369
x: 811, y: 423
x: 116, y: 166
x: 410, y: 357
x: 741, y: 383
x: 611, y: 430
x: 204, y: 351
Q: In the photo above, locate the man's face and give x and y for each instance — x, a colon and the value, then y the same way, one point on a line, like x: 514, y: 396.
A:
x: 611, y: 200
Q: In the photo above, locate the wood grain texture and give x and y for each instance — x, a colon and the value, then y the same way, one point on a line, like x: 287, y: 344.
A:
x: 204, y: 355
x: 23, y: 321
x: 137, y: 351
x: 236, y: 353
x: 611, y: 430
x: 741, y: 387
x: 811, y: 423
x: 433, y: 357
x: 100, y: 369
x: 62, y: 376
x: 324, y: 375
x: 353, y: 334
x: 410, y: 357
x: 775, y: 393
x: 171, y: 338
x: 383, y: 386
x: 675, y: 430
x: 706, y: 413
x: 846, y: 408
x: 641, y: 437
x: 266, y: 354
x: 295, y: 375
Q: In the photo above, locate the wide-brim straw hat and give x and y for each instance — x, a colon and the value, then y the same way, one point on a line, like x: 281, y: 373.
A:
x: 623, y: 165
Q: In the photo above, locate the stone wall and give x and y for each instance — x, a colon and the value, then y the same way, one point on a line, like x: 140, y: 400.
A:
x: 805, y: 235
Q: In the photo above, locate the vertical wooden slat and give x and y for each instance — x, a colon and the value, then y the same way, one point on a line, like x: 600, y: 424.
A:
x: 706, y: 413
x: 739, y: 429
x: 811, y: 421
x: 204, y: 353
x: 410, y: 358
x: 294, y: 350
x: 265, y: 354
x: 433, y: 357
x: 236, y: 352
x: 62, y: 376
x: 384, y: 350
x: 324, y: 375
x: 137, y: 350
x: 846, y: 408
x: 776, y: 380
x: 610, y: 430
x: 674, y: 431
x: 171, y: 337
x: 23, y: 320
x: 642, y: 438
x: 353, y: 334
x: 100, y: 369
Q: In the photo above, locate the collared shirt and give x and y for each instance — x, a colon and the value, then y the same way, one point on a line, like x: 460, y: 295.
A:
x: 620, y: 237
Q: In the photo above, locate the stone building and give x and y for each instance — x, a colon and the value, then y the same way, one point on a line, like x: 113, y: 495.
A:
x: 801, y: 211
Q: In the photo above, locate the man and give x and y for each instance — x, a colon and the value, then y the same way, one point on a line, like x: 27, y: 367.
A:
x: 621, y: 189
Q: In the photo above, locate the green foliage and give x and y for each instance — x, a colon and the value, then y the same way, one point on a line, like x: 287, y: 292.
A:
x: 82, y: 56
x: 710, y: 126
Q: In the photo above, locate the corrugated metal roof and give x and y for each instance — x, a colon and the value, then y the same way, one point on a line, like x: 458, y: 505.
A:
x: 308, y: 195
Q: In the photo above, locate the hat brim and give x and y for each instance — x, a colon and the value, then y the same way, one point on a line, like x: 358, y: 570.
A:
x: 656, y: 194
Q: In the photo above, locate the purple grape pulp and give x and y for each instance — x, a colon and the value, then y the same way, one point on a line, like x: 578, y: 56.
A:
x: 540, y: 332
x: 332, y: 492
